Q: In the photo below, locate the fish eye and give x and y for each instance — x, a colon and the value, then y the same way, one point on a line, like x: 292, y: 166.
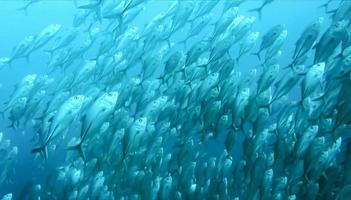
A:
x: 109, y: 94
x: 76, y: 97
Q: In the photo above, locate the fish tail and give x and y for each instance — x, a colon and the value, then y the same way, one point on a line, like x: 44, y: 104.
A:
x: 258, y: 10
x: 12, y: 125
x: 79, y: 149
x: 289, y: 66
x: 325, y: 6
x: 257, y: 54
x: 24, y: 9
x: 42, y: 150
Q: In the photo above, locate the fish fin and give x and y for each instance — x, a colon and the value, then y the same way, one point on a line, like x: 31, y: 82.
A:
x: 79, y: 149
x: 42, y: 150
x: 325, y: 6
x: 332, y: 11
x: 289, y: 66
x: 12, y: 125
x: 258, y: 10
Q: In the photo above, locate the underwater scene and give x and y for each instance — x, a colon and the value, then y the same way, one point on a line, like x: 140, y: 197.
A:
x: 175, y: 99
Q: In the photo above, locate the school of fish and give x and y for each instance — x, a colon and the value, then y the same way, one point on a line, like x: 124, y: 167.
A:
x: 138, y: 114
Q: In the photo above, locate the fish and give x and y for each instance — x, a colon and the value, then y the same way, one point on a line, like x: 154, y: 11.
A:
x: 46, y: 35
x: 98, y: 113
x: 61, y: 121
x: 267, y: 78
x: 131, y: 139
x: 28, y: 5
x: 204, y: 8
x: 269, y: 38
x: 329, y: 41
x: 198, y: 26
x: 247, y: 45
x: 287, y: 82
x: 312, y: 79
x: 23, y: 49
x: 195, y: 52
x: 305, y: 140
x: 226, y: 19
x: 307, y: 38
x: 63, y: 40
x: 22, y: 89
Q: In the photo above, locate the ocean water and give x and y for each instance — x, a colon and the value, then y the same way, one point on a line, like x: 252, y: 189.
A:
x: 30, y: 170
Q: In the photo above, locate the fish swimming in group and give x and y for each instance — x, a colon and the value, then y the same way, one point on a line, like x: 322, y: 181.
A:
x: 177, y: 107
